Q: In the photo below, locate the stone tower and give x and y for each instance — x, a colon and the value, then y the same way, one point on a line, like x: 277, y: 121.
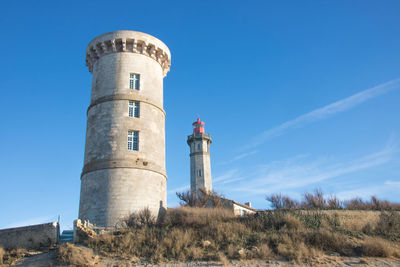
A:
x: 124, y: 166
x: 200, y: 167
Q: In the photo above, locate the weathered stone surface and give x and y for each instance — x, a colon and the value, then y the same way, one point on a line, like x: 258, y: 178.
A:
x: 116, y: 181
x: 30, y: 237
x: 199, y: 144
x: 83, y: 231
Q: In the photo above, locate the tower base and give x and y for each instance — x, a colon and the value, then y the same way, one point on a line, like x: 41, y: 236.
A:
x: 109, y: 195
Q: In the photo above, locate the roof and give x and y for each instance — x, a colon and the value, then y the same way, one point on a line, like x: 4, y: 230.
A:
x: 240, y: 204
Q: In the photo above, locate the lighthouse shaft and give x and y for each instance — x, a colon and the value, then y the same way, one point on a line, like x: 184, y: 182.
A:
x: 200, y: 166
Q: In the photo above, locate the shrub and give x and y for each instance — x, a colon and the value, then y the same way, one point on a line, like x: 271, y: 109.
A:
x: 355, y: 204
x: 141, y: 218
x: 203, y: 199
x: 333, y: 202
x: 264, y: 252
x: 292, y: 222
x: 278, y: 201
x: 312, y: 220
x: 325, y: 240
x: 11, y: 256
x: 373, y: 204
x: 76, y: 255
x: 314, y: 201
x: 292, y: 250
x: 377, y: 247
x: 389, y: 225
x: 267, y: 220
x: 176, y: 244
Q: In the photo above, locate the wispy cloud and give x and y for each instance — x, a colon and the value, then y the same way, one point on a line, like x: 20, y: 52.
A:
x: 238, y: 157
x: 300, y: 171
x: 228, y: 177
x: 326, y: 112
x: 393, y: 183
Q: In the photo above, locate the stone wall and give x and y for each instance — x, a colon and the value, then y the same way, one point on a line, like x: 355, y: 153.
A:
x: 30, y: 237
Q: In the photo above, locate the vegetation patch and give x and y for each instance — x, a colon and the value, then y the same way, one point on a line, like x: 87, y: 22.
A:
x: 303, y: 232
x: 204, y: 234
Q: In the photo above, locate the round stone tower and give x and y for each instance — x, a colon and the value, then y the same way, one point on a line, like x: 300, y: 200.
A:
x: 124, y: 166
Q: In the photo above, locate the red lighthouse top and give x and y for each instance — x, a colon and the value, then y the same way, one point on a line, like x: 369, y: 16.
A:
x: 198, y: 126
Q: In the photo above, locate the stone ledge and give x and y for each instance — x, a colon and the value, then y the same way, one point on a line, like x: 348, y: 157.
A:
x: 199, y: 153
x: 123, y: 163
x: 134, y: 97
x: 199, y: 136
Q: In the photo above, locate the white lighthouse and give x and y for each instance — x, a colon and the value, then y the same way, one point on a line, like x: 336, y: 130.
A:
x: 200, y: 167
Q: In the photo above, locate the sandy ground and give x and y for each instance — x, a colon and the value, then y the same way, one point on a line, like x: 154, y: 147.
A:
x: 49, y: 259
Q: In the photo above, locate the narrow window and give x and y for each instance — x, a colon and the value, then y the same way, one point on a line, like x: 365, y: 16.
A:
x: 199, y: 173
x: 134, y: 81
x: 198, y: 146
x: 133, y: 140
x: 136, y: 112
x: 134, y: 107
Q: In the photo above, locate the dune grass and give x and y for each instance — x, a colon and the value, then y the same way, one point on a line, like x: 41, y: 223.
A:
x: 192, y: 234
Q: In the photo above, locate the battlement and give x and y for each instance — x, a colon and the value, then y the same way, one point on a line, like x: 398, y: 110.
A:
x: 131, y: 42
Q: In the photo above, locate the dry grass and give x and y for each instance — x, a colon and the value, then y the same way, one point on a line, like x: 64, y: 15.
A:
x: 197, y: 234
x: 11, y: 256
x: 76, y: 256
x: 377, y: 247
x: 192, y: 217
x: 224, y: 260
x: 2, y: 252
x: 355, y: 220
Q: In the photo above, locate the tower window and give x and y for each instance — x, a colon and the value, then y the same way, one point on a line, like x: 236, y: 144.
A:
x: 199, y: 173
x: 134, y: 81
x: 133, y: 140
x: 134, y: 109
x: 198, y: 146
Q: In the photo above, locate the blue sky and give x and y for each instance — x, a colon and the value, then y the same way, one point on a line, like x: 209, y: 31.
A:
x: 295, y: 94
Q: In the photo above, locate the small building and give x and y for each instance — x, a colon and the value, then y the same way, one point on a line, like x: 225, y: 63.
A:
x: 238, y: 208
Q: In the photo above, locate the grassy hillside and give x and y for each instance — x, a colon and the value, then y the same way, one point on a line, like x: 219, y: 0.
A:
x: 191, y: 234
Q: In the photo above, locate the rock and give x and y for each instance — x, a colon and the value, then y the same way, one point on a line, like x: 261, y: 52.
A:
x: 254, y: 249
x: 242, y: 253
x: 335, y: 254
x: 206, y: 243
x: 83, y: 231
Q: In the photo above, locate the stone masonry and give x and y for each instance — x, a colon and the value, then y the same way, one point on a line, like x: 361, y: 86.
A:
x: 116, y: 181
x: 200, y: 166
x: 30, y: 237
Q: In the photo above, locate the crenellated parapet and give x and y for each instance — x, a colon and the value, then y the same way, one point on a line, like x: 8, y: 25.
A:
x: 128, y: 42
